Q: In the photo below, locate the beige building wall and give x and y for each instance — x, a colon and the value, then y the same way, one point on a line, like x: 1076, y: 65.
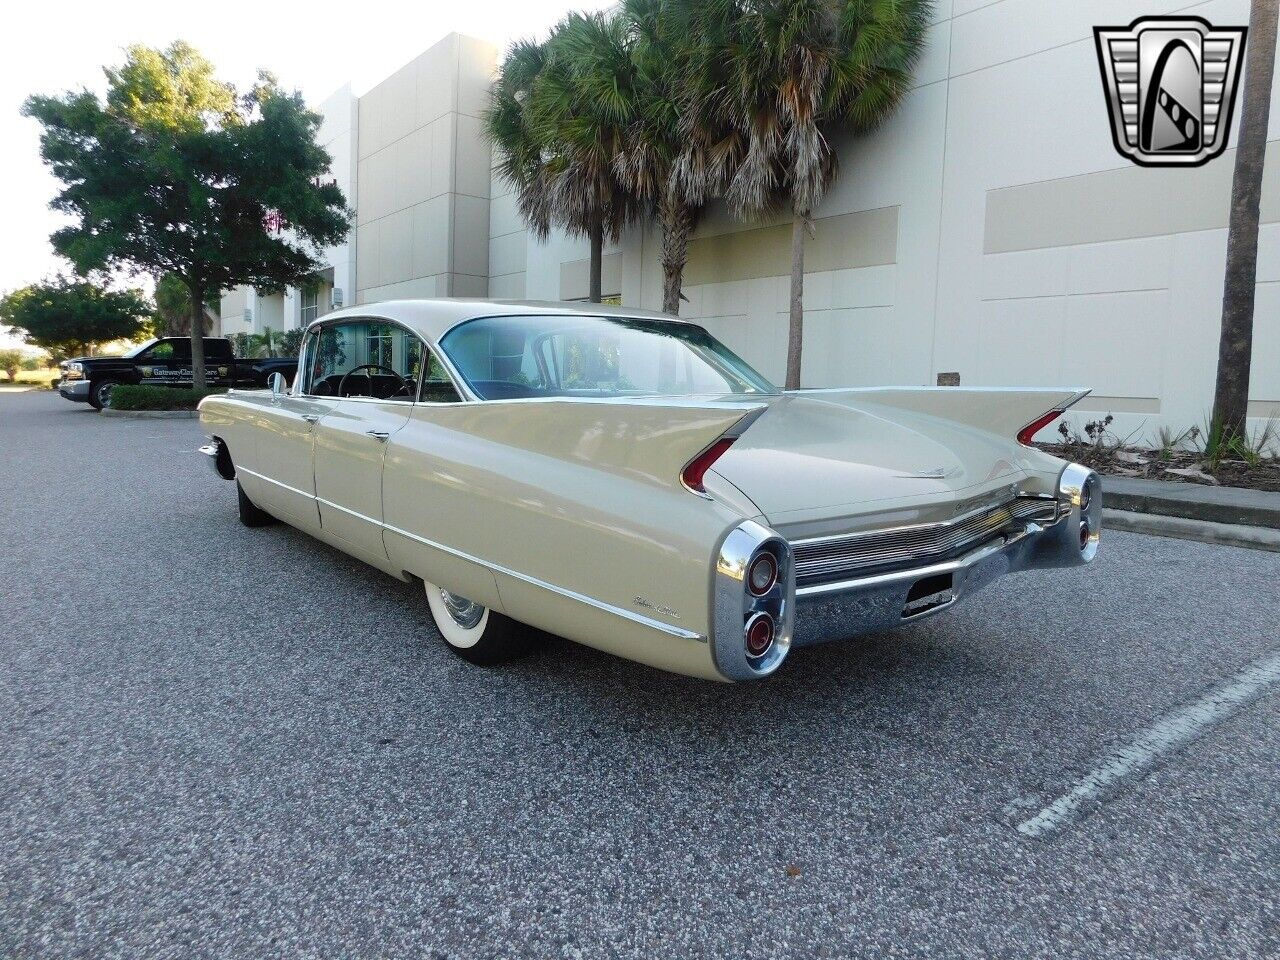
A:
x: 422, y: 225
x: 991, y: 229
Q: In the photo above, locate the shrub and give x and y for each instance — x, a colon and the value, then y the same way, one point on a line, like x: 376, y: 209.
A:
x: 290, y: 343
x: 11, y: 363
x: 133, y: 397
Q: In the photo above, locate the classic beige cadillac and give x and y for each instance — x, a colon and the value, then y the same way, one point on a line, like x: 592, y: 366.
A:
x: 626, y: 481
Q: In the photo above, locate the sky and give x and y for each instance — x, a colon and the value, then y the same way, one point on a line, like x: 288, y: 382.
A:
x: 51, y: 47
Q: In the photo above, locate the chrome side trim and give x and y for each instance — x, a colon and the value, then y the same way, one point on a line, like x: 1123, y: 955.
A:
x: 667, y: 628
x: 348, y: 511
x: 284, y: 486
x: 678, y: 632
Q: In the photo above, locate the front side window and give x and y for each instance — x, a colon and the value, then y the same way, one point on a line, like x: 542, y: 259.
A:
x: 572, y: 356
x: 364, y: 358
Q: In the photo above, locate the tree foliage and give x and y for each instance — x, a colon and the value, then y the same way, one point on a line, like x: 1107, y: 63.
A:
x: 176, y: 172
x: 11, y: 361
x: 173, y: 308
x: 663, y: 106
x: 71, y: 317
x: 556, y: 139
x: 774, y: 81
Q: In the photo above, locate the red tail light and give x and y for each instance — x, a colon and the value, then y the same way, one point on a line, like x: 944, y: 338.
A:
x: 697, y: 467
x: 1036, y: 425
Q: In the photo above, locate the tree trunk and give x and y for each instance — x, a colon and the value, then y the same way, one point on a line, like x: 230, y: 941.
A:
x: 795, y: 331
x: 1235, y: 348
x: 677, y: 222
x: 197, y: 338
x: 597, y: 258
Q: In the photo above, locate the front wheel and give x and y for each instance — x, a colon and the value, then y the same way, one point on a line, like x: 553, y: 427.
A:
x: 474, y: 632
x: 100, y: 393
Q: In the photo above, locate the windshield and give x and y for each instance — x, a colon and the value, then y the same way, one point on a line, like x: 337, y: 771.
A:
x: 140, y: 347
x: 571, y: 356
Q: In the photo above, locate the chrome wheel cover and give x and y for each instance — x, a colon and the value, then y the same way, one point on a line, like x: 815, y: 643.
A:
x: 464, y: 612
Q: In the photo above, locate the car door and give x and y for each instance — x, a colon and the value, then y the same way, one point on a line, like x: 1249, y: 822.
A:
x: 371, y: 367
x: 280, y: 476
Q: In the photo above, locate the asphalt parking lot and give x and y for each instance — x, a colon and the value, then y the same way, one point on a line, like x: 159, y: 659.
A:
x: 224, y: 742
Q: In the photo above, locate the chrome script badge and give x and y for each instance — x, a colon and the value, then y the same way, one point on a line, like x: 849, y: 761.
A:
x: 1171, y: 85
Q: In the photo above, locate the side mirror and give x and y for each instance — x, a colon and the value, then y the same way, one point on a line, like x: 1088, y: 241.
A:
x: 278, y: 385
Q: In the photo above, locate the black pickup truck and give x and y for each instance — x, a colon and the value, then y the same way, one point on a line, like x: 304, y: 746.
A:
x: 165, y: 363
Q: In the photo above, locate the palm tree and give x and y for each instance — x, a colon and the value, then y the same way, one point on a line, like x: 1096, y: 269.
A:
x: 521, y: 156
x: 1235, y: 348
x: 556, y: 137
x: 580, y: 107
x: 775, y: 80
x: 264, y: 344
x: 662, y: 160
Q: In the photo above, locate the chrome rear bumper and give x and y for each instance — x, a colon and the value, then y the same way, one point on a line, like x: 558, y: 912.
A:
x: 876, y: 602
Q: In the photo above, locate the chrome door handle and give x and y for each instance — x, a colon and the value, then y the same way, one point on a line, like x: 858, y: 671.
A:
x: 379, y: 435
x: 310, y: 417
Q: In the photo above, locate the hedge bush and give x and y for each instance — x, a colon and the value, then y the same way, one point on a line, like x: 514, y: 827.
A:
x: 137, y: 397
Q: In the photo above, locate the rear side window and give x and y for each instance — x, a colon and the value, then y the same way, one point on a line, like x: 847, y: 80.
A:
x: 217, y: 348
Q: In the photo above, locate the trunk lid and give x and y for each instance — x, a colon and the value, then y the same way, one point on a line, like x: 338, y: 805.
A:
x: 810, y: 460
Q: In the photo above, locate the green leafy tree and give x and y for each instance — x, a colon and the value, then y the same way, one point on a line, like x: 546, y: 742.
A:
x: 1235, y: 345
x: 71, y: 317
x: 11, y: 363
x: 776, y: 80
x: 291, y: 342
x: 175, y: 172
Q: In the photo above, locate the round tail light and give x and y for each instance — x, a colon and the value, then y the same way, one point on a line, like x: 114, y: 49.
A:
x: 759, y: 635
x: 1086, y: 496
x: 1084, y: 534
x: 762, y: 574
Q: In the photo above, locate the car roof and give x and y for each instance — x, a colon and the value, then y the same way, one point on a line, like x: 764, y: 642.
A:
x: 430, y: 319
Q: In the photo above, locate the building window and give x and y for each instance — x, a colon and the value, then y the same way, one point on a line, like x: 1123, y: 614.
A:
x: 379, y: 347
x: 310, y: 304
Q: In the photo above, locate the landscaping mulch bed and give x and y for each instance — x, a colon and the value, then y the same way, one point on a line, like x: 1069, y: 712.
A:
x: 1183, y: 466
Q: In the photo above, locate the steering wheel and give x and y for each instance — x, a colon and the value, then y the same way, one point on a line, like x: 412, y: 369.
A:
x: 405, y: 385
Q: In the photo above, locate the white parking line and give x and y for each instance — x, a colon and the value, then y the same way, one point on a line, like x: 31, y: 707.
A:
x: 1171, y: 732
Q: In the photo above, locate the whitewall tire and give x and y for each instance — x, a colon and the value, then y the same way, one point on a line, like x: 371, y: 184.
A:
x: 474, y: 632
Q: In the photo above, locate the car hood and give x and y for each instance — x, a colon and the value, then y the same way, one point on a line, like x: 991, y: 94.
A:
x: 808, y: 458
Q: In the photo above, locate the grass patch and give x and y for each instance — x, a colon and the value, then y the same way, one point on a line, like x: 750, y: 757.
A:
x: 137, y: 397
x: 43, y: 377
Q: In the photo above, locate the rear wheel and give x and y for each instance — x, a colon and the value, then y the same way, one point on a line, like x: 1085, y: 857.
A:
x: 250, y: 515
x: 100, y: 393
x: 475, y: 632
